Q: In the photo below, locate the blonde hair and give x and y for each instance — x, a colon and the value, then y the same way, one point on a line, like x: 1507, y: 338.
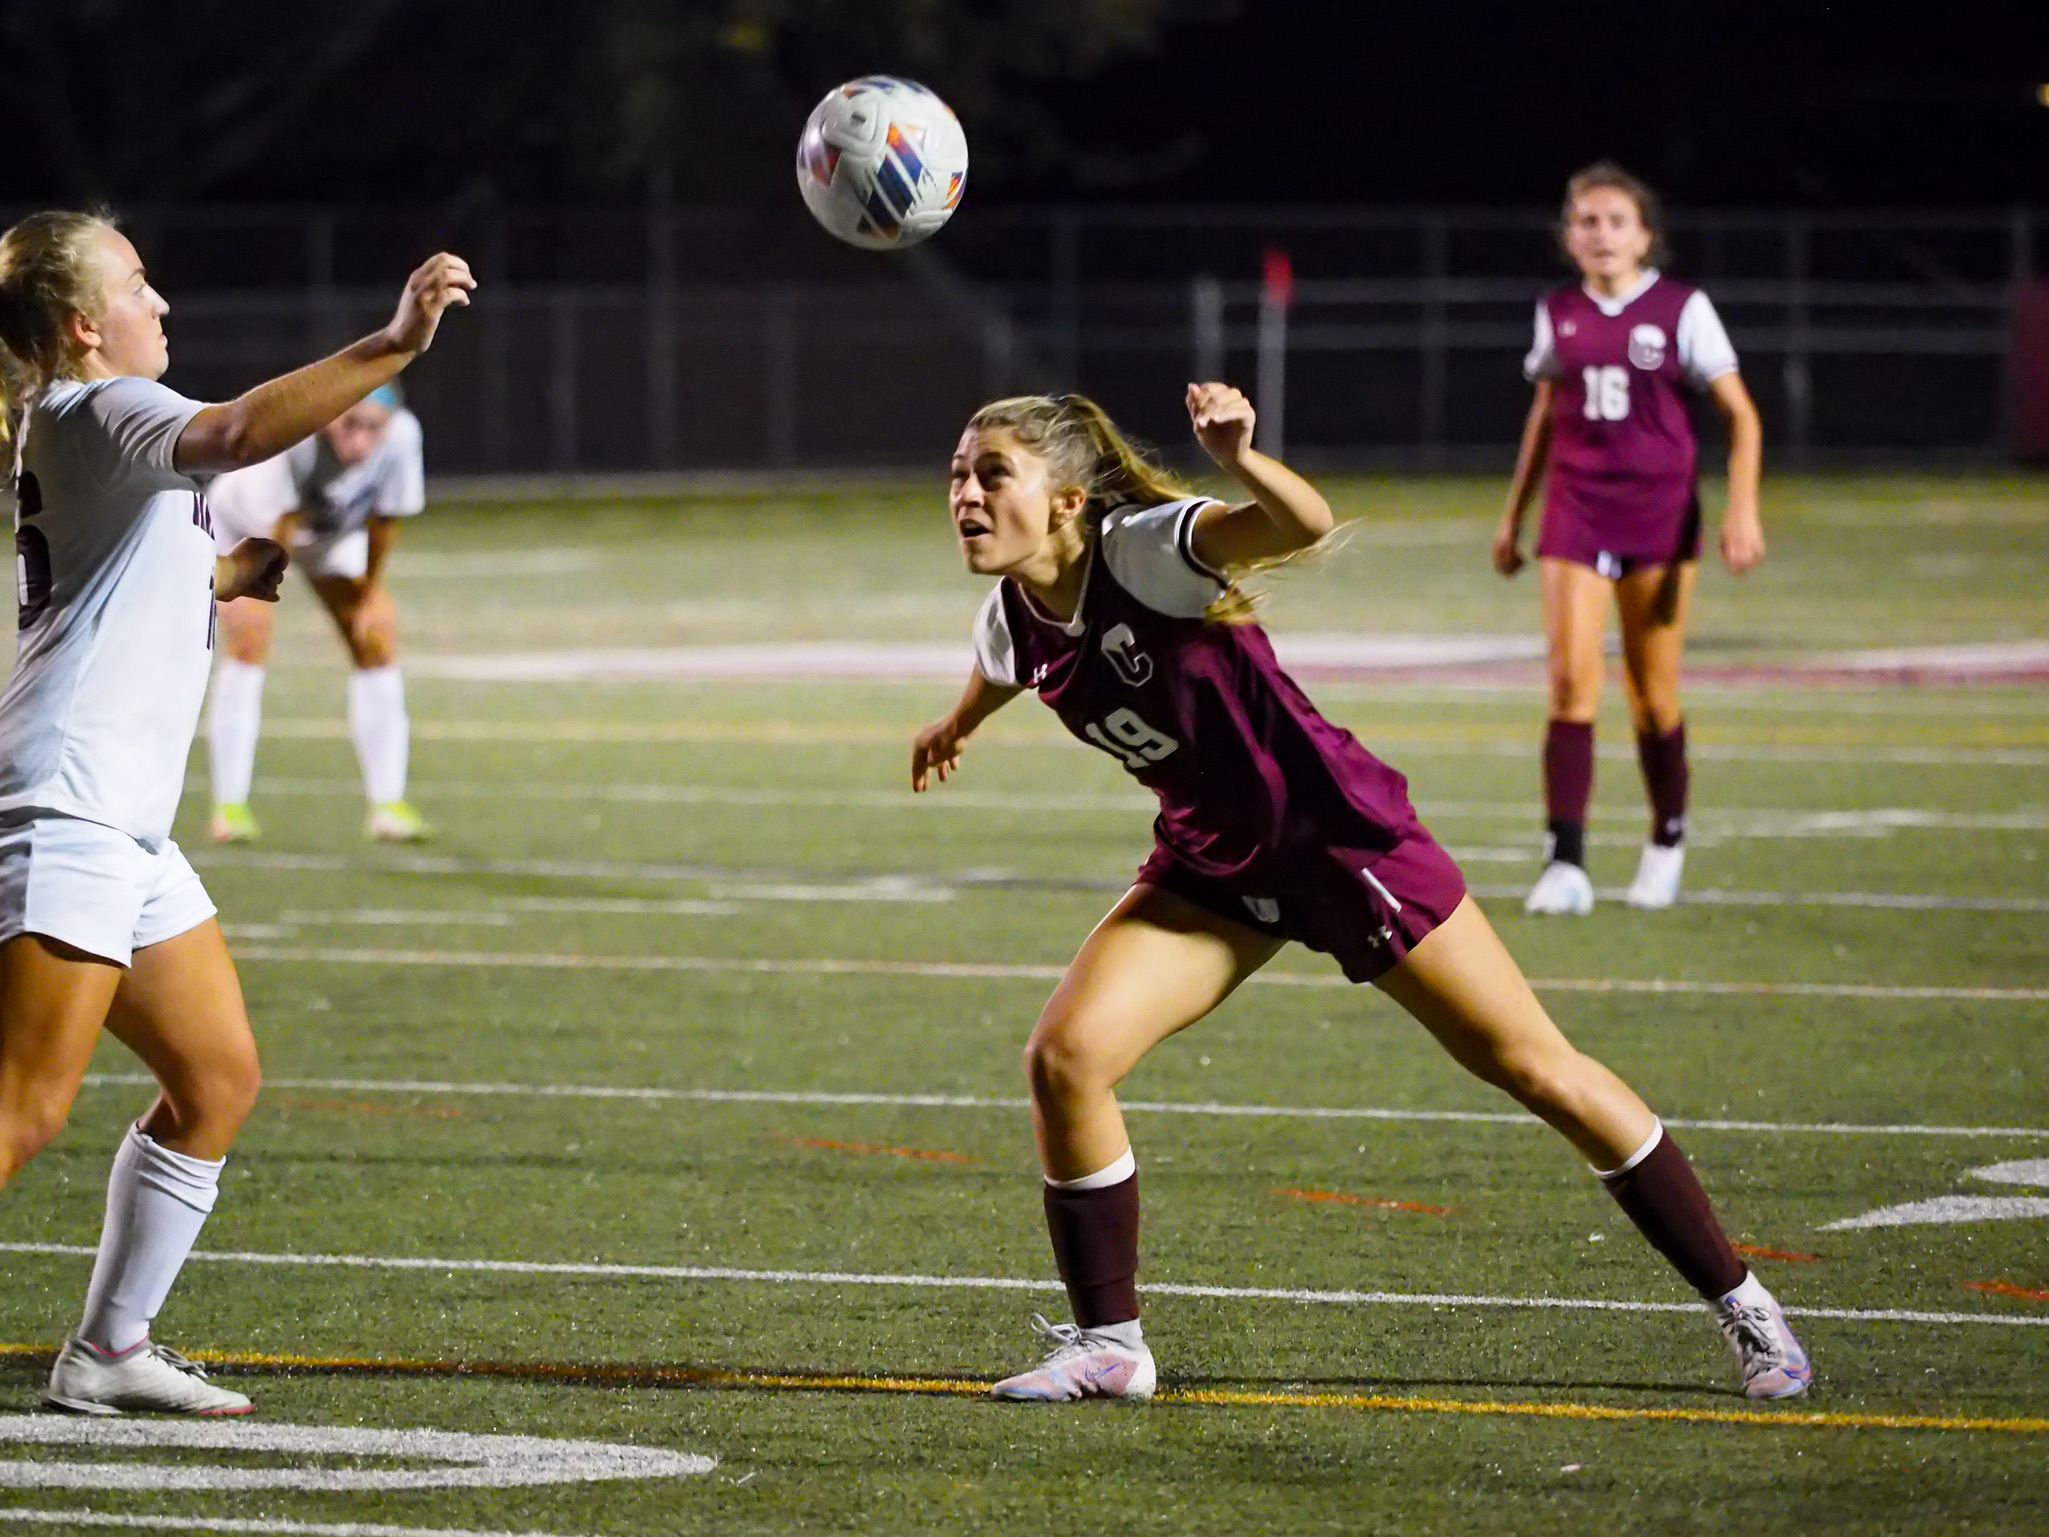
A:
x: 1083, y: 447
x: 49, y: 270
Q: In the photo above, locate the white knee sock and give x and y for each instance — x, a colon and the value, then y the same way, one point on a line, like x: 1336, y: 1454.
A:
x: 157, y: 1200
x: 383, y: 735
x: 234, y: 717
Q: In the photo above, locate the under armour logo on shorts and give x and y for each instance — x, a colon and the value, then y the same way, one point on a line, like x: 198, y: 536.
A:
x: 1265, y: 909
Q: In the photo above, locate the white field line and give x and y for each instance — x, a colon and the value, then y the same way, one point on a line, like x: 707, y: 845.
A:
x: 579, y: 1091
x: 728, y: 884
x: 784, y: 734
x: 992, y: 971
x: 1020, y: 1284
x: 266, y: 1526
x: 1734, y: 822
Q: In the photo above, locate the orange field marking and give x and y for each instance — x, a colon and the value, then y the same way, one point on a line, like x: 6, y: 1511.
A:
x: 931, y: 1155
x: 1367, y: 1200
x: 1790, y: 1256
x: 2008, y: 1289
x: 954, y: 1387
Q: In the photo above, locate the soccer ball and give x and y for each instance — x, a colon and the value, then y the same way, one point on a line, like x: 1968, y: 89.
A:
x: 882, y: 162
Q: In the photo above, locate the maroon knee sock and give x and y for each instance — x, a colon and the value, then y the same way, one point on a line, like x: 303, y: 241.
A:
x: 1664, y: 1199
x: 1095, y: 1243
x: 1665, y: 779
x: 1568, y: 785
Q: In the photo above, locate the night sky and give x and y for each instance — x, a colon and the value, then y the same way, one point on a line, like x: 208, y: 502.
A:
x: 421, y: 102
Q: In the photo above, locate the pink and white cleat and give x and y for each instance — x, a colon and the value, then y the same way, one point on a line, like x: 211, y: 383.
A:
x: 1773, y: 1364
x: 1081, y: 1365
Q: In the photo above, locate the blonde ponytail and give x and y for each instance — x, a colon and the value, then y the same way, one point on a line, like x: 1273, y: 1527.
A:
x: 48, y: 272
x: 1083, y: 447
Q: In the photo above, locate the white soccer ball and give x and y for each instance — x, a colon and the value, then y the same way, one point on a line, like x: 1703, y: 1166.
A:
x: 882, y: 162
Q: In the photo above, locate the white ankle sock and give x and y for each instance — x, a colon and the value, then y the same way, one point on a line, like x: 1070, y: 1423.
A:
x: 1750, y: 1292
x: 157, y: 1200
x: 1130, y: 1334
x: 234, y: 718
x: 382, y: 734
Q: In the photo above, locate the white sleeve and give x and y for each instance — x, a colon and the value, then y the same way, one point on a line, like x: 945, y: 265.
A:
x: 139, y: 424
x: 402, y: 490
x: 1542, y: 359
x: 247, y: 503
x: 1151, y: 552
x: 1705, y: 353
x: 995, y: 656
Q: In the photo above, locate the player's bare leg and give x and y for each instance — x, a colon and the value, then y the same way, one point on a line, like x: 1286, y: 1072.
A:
x: 1654, y: 605
x: 363, y: 611
x: 1155, y: 965
x: 179, y: 1008
x: 53, y: 999
x: 234, y: 714
x: 1464, y: 987
x: 1576, y: 600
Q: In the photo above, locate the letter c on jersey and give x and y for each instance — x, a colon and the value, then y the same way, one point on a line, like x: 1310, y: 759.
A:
x: 1132, y: 664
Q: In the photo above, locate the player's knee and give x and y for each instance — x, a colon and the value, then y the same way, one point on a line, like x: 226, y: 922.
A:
x: 26, y: 1128
x: 1540, y: 1078
x: 1061, y: 1064
x: 218, y: 1099
x: 1574, y: 691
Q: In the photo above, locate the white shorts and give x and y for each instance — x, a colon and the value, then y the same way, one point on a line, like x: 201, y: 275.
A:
x: 94, y: 888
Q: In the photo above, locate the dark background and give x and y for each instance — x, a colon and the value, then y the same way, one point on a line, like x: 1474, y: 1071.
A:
x: 416, y: 102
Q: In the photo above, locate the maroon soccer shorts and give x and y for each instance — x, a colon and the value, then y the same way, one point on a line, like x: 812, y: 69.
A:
x: 1569, y: 532
x: 1366, y: 908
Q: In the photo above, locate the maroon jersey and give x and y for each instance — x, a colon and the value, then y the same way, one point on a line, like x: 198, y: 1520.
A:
x: 1621, y: 488
x: 1198, y: 712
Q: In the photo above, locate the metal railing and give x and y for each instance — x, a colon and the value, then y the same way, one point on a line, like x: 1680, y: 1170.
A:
x: 664, y: 339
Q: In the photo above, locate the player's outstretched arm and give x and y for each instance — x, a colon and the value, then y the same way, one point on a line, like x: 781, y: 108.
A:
x: 1530, y: 460
x: 272, y: 417
x: 935, y: 751
x: 1742, y: 526
x: 1285, y: 514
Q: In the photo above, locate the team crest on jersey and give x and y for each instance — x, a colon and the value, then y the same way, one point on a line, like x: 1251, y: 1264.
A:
x: 1121, y: 647
x: 1647, y: 347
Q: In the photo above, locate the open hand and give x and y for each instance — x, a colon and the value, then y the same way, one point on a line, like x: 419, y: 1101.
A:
x: 252, y: 569
x: 1223, y: 420
x: 438, y: 282
x: 936, y: 751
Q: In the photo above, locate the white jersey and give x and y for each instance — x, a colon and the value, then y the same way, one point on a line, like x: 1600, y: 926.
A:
x: 114, y: 570
x: 332, y: 500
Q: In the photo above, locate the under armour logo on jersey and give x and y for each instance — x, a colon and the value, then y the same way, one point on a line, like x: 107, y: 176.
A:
x: 1569, y: 328
x: 1121, y: 647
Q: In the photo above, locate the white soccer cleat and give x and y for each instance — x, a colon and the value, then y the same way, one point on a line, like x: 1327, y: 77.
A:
x: 1657, y: 877
x: 1081, y: 1365
x: 1563, y: 890
x: 1772, y: 1362
x: 147, y: 1378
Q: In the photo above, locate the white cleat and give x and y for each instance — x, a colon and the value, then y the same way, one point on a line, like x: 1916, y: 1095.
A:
x: 1657, y: 877
x: 1082, y: 1365
x: 1772, y: 1362
x: 1563, y: 890
x: 147, y: 1377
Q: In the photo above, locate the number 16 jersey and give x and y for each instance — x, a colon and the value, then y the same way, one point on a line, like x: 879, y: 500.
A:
x: 1621, y: 489
x: 1200, y: 712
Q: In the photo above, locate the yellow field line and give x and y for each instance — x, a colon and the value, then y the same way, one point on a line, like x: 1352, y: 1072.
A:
x: 808, y: 1382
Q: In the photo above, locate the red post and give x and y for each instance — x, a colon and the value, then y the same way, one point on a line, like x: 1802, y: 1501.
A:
x: 2029, y: 377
